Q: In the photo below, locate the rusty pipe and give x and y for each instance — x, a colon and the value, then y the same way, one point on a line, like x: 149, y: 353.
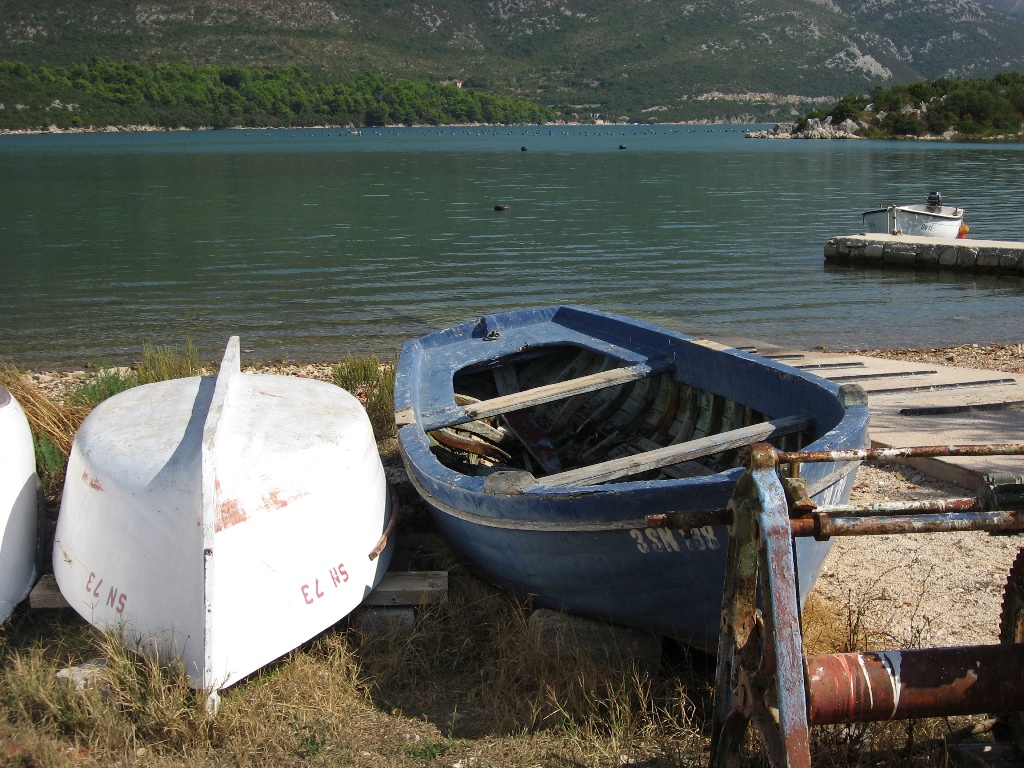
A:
x: 901, y: 507
x: 892, y: 454
x: 701, y: 518
x: 826, y: 526
x: 930, y: 682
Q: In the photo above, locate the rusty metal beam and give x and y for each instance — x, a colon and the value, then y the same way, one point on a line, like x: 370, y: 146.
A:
x: 760, y: 679
x: 894, y: 454
x: 825, y: 526
x: 760, y: 661
x: 930, y: 682
x: 902, y: 507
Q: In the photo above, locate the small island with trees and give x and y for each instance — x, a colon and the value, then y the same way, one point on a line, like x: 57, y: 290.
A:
x: 946, y: 108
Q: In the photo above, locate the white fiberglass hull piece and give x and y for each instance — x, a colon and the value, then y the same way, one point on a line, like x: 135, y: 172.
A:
x: 220, y: 523
x: 915, y: 220
x: 19, y: 505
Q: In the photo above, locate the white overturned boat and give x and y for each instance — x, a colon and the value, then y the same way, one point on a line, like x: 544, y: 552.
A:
x: 221, y: 522
x: 19, y: 505
x: 933, y: 219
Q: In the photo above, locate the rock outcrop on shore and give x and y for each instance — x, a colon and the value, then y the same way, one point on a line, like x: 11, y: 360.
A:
x: 814, y: 129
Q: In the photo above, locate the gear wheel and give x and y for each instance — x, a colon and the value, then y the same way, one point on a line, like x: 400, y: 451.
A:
x: 1011, y: 630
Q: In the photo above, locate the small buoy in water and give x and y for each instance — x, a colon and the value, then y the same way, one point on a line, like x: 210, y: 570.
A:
x: 501, y: 207
x: 523, y: 149
x: 964, y: 229
x: 622, y: 146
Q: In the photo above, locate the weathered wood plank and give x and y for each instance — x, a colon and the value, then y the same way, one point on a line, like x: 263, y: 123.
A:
x: 410, y: 588
x: 449, y: 417
x: 673, y: 454
x: 945, y: 410
x: 883, y: 375
x: 46, y: 594
x: 396, y: 588
x: 680, y: 471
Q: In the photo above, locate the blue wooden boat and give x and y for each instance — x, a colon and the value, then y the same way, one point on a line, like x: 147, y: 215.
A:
x: 542, y: 439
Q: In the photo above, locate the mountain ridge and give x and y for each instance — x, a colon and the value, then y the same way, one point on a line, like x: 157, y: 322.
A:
x: 634, y: 59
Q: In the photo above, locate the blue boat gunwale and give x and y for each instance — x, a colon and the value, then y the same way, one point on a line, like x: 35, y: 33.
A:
x: 648, y: 342
x: 588, y: 549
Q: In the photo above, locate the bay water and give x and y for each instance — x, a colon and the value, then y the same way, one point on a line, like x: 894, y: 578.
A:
x: 311, y: 244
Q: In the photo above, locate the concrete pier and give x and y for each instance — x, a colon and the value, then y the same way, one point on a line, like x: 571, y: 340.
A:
x: 984, y: 256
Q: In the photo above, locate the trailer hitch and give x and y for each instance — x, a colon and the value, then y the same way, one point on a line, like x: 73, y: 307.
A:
x: 763, y: 679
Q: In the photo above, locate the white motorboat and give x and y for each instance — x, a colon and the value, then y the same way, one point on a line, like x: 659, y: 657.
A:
x: 19, y: 505
x: 933, y: 219
x: 221, y: 522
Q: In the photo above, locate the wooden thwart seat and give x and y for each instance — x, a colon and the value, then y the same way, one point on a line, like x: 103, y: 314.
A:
x: 450, y: 417
x: 673, y: 454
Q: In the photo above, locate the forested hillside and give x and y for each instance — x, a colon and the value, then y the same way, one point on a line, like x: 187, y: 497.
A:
x: 638, y: 59
x: 104, y: 92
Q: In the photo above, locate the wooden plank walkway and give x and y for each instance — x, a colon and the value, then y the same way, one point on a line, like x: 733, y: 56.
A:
x: 919, y: 404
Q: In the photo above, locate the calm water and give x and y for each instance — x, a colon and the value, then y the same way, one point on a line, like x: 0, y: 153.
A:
x: 313, y: 243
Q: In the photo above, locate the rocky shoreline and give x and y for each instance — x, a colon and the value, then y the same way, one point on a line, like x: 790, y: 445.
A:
x: 995, y: 357
x: 813, y: 128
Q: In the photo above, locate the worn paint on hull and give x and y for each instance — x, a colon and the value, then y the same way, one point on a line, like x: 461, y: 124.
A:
x: 19, y: 505
x: 586, y: 548
x: 221, y: 522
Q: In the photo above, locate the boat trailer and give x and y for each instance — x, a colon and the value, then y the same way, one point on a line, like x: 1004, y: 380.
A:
x: 763, y: 677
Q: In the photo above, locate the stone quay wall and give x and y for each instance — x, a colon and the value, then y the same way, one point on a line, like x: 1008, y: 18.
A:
x: 986, y: 256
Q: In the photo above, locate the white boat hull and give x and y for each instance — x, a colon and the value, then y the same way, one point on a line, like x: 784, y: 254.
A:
x: 222, y: 523
x: 915, y: 220
x: 19, y: 505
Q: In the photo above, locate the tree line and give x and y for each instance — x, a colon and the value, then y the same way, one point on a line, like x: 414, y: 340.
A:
x: 104, y: 92
x: 972, y: 108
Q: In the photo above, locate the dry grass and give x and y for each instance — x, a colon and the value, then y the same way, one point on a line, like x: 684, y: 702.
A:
x: 465, y: 688
x: 54, y: 422
x: 866, y: 623
x: 45, y: 416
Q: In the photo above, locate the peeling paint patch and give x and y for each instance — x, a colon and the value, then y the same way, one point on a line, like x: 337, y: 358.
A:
x: 229, y: 512
x: 275, y: 500
x: 92, y: 482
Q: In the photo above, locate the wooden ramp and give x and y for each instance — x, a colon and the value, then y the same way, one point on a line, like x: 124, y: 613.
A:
x: 923, y: 404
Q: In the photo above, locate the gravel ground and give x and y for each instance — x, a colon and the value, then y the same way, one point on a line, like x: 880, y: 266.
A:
x: 923, y: 590
x: 912, y: 590
x: 991, y: 357
x: 916, y: 590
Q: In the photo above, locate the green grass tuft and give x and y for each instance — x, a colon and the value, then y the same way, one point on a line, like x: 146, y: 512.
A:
x: 51, y: 464
x: 373, y: 382
x: 165, y: 363
x: 103, y: 383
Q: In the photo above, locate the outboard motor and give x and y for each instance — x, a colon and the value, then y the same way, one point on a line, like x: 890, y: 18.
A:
x: 934, y: 200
